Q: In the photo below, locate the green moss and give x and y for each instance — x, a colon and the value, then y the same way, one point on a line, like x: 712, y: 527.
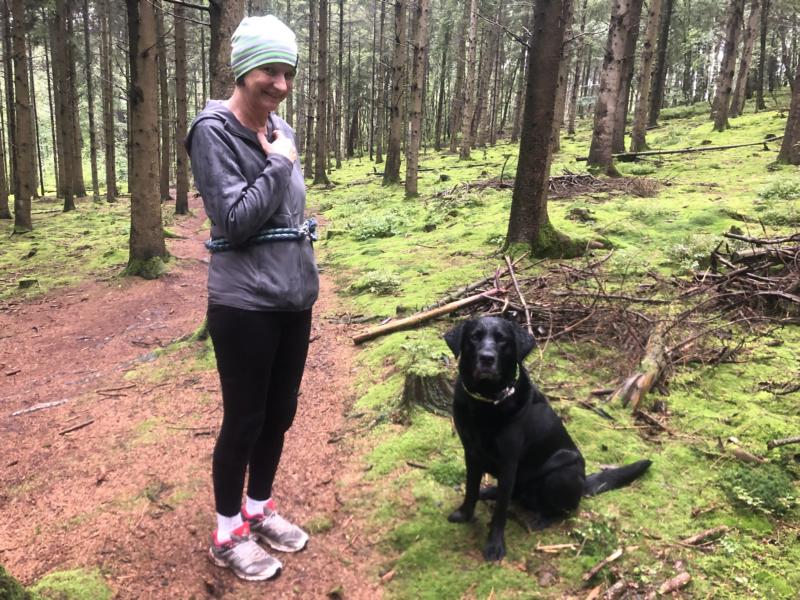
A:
x: 151, y: 268
x: 10, y: 588
x: 77, y: 584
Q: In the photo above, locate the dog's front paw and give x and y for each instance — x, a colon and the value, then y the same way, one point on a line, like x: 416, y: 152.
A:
x: 461, y: 515
x: 495, y: 549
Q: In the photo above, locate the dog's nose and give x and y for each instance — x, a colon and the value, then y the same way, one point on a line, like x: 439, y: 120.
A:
x: 486, y: 358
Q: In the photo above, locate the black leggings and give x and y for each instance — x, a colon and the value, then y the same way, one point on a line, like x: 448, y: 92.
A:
x: 260, y: 359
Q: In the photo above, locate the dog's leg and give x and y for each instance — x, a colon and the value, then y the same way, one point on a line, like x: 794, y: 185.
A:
x: 496, y: 544
x: 464, y: 512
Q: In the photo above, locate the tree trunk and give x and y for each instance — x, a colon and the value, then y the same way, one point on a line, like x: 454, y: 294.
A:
x: 163, y: 106
x: 561, y: 89
x: 576, y: 78
x: 470, y: 73
x: 380, y: 92
x: 391, y: 171
x: 528, y: 222
x: 290, y: 97
x: 660, y: 73
x: 722, y: 96
x: 181, y: 159
x: 342, y: 116
x: 790, y: 147
x: 225, y: 16
x: 738, y: 98
x: 611, y: 85
x: 623, y: 99
x: 308, y: 165
x: 8, y: 60
x: 421, y: 19
x: 106, y: 50
x: 638, y: 135
x: 61, y: 93
x: 147, y: 248
x: 24, y: 149
x: 457, y: 106
x: 35, y: 118
x: 762, y: 58
x: 519, y: 102
x: 78, y: 186
x: 90, y: 100
x: 437, y: 136
x: 321, y: 148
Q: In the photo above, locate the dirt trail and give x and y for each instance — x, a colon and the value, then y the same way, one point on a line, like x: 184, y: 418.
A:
x: 130, y: 491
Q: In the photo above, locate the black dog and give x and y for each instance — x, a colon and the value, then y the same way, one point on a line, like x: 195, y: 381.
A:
x: 509, y: 430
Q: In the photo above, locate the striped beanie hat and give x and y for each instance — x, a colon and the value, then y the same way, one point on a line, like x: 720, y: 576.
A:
x: 261, y: 40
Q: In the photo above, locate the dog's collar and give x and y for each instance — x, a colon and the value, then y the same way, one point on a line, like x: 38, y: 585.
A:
x: 505, y: 393
x: 502, y: 395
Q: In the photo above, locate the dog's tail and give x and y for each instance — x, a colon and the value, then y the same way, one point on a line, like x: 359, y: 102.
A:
x: 611, y: 479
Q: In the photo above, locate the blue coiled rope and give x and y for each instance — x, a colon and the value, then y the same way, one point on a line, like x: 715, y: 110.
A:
x: 275, y: 234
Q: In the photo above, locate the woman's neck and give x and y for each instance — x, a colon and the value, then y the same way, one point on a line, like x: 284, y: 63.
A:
x: 248, y: 116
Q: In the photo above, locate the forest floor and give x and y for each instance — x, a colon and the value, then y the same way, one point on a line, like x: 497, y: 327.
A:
x: 127, y: 497
x: 128, y: 492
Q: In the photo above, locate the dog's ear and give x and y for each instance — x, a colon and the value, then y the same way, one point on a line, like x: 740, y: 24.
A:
x: 453, y: 338
x: 525, y: 341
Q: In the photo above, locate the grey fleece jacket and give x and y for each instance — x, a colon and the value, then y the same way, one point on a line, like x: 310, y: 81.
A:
x: 243, y: 192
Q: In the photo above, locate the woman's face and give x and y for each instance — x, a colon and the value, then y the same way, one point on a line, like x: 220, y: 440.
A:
x: 268, y: 85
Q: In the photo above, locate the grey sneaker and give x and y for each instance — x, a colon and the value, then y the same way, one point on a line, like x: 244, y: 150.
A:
x: 273, y: 529
x: 244, y: 556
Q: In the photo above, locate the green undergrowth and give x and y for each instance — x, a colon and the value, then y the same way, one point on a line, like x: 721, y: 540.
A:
x: 90, y: 242
x: 391, y: 256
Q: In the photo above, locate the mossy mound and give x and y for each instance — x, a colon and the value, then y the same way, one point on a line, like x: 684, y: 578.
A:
x: 77, y: 584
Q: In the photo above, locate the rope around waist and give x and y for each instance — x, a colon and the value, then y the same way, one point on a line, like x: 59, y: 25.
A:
x: 274, y: 234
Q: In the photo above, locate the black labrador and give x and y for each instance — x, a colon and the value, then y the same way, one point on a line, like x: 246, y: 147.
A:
x: 509, y: 430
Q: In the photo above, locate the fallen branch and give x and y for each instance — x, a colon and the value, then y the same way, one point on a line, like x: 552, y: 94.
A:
x: 76, y: 427
x: 703, y: 536
x: 615, y: 591
x: 35, y: 407
x: 472, y: 286
x: 672, y: 585
x: 607, y: 560
x: 419, y: 318
x: 655, y: 361
x: 554, y: 548
x: 783, y: 442
x: 520, y: 294
x: 626, y: 156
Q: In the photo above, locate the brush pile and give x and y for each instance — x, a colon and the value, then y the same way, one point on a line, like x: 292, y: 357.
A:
x: 649, y: 326
x: 567, y: 185
x: 761, y: 280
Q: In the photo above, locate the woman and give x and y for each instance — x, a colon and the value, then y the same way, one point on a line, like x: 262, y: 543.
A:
x: 261, y: 287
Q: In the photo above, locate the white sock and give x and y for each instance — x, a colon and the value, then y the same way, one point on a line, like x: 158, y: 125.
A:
x: 254, y: 507
x: 225, y: 525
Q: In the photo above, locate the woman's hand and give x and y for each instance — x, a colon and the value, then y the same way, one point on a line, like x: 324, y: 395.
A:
x: 282, y: 145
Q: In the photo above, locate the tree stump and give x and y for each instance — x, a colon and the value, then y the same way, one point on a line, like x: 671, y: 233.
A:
x: 432, y: 392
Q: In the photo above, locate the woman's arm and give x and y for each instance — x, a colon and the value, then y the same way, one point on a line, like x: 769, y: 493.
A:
x: 239, y: 209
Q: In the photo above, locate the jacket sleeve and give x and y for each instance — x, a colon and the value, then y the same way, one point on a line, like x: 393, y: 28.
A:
x: 237, y: 208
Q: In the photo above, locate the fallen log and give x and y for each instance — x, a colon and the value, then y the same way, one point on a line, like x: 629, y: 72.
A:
x: 703, y: 536
x: 654, y: 363
x: 783, y: 442
x: 420, y: 318
x: 672, y: 585
x: 627, y: 156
